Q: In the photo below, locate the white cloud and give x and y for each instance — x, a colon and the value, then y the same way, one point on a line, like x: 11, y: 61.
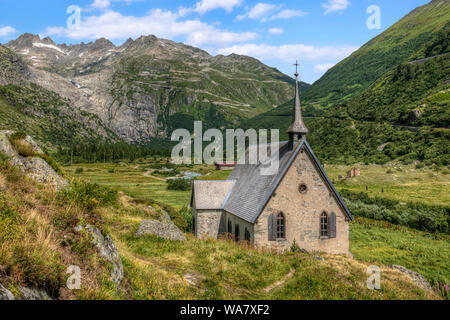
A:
x: 258, y: 11
x: 4, y: 31
x: 323, y: 67
x: 101, y: 4
x: 105, y: 4
x: 265, y: 12
x: 164, y: 24
x: 290, y: 52
x: 276, y: 30
x: 209, y: 5
x: 287, y: 14
x: 212, y: 36
x: 335, y: 5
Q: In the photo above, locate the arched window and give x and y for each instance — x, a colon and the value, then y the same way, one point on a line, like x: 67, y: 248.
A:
x: 236, y: 232
x: 247, y: 235
x: 230, y: 227
x: 281, y: 226
x: 324, y: 224
x: 193, y: 225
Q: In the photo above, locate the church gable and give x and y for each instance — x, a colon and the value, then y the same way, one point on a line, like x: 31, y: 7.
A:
x: 304, y: 157
x: 303, y: 199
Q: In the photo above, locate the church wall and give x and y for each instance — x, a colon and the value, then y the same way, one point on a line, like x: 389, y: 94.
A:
x: 208, y: 223
x: 302, y: 211
x: 242, y: 225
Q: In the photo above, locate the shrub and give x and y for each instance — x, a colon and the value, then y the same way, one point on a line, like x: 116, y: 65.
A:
x: 186, y: 214
x: 441, y: 289
x: 23, y: 148
x: 295, y: 248
x: 179, y: 184
x: 414, y: 215
x: 88, y: 195
x: 38, y: 268
x: 3, y: 157
x: 18, y: 135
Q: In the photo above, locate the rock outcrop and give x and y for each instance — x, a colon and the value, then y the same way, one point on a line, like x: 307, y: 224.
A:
x: 416, y: 277
x: 415, y: 115
x: 34, y: 167
x: 5, y: 294
x: 12, y: 68
x: 164, y: 229
x: 33, y: 294
x: 107, y: 250
x: 25, y: 294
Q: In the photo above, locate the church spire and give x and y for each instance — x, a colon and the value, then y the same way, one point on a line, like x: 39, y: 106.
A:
x: 297, y: 130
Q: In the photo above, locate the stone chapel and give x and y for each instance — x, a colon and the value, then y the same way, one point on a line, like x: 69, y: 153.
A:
x: 298, y: 202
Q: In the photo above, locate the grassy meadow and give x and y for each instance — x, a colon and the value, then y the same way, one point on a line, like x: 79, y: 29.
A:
x: 372, y: 242
x: 397, y: 182
x: 38, y: 242
x: 220, y: 269
x: 392, y: 181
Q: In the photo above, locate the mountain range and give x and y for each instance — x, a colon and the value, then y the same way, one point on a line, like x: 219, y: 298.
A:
x: 145, y: 88
x: 388, y: 100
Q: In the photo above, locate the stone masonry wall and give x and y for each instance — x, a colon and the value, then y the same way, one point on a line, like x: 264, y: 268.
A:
x: 242, y: 225
x: 207, y: 223
x: 302, y: 211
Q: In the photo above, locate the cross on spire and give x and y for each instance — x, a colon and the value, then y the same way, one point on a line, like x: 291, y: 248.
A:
x: 297, y: 130
x: 296, y: 69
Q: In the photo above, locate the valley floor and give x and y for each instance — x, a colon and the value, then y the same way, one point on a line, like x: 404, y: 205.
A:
x: 219, y: 269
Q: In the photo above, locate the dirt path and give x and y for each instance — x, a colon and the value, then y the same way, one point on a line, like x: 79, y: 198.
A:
x: 148, y: 174
x: 279, y: 283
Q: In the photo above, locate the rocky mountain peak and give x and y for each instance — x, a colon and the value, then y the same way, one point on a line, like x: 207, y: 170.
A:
x: 24, y: 41
x: 48, y: 40
x: 102, y: 43
x: 127, y: 43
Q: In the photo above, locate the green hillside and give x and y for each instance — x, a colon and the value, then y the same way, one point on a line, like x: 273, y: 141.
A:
x: 404, y: 114
x: 380, y: 54
x: 420, y: 85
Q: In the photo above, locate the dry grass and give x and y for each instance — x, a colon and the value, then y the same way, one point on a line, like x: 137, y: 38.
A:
x: 38, y: 243
x: 22, y: 147
x: 391, y: 279
x: 2, y: 182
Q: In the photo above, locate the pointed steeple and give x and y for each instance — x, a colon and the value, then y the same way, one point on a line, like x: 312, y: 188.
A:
x: 297, y: 130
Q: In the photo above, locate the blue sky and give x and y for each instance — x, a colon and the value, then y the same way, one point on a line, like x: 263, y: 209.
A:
x: 318, y: 33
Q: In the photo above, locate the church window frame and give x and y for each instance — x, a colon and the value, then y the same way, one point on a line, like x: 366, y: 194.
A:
x: 247, y: 235
x: 324, y: 230
x: 281, y: 226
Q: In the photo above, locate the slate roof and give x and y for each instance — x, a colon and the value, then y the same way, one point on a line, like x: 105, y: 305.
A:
x: 252, y: 190
x: 211, y: 195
